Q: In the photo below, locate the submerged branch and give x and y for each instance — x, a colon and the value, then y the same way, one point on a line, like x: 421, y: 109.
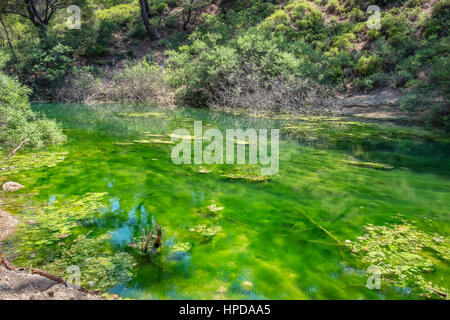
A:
x: 13, y: 152
x: 6, y: 263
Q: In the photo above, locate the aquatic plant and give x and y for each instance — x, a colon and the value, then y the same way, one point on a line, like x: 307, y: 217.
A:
x: 52, y: 237
x: 403, y: 255
x: 143, y: 114
x: 26, y: 161
x: 206, y: 231
x: 180, y: 247
x: 51, y: 224
x: 211, y: 209
x: 100, y: 266
x: 153, y: 141
x: 369, y: 164
x: 250, y: 173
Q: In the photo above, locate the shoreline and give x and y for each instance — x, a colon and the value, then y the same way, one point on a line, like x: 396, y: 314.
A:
x: 20, y: 284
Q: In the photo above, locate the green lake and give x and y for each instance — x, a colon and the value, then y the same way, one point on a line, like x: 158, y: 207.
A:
x: 280, y: 238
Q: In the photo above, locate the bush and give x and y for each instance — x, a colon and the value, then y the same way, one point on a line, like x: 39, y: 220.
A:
x: 137, y: 82
x: 368, y: 65
x: 249, y: 90
x: 344, y: 41
x: 139, y: 32
x: 18, y: 121
x: 356, y: 14
x: 439, y: 23
x: 119, y: 15
x: 171, y: 22
x: 305, y: 16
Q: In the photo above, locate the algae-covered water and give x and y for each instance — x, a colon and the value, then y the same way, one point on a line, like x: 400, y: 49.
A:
x: 227, y: 232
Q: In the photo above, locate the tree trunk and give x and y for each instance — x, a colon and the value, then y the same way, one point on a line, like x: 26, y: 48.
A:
x: 145, y: 13
x: 7, y: 36
x: 188, y: 17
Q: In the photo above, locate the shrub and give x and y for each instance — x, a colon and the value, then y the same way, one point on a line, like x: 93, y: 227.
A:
x: 305, y: 15
x: 333, y: 6
x: 119, y: 15
x: 356, y: 14
x: 373, y: 34
x: 278, y: 18
x: 344, y: 41
x: 368, y: 65
x: 139, y: 31
x: 439, y: 23
x: 171, y: 22
x: 137, y: 82
x: 248, y: 89
x: 18, y: 121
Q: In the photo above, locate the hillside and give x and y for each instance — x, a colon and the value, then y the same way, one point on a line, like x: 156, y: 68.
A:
x: 208, y: 49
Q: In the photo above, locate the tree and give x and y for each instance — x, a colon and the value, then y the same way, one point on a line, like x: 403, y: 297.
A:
x: 192, y: 5
x: 39, y: 12
x: 145, y: 14
x: 5, y: 30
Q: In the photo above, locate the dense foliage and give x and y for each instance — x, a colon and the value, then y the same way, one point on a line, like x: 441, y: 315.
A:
x: 18, y: 121
x: 205, y: 43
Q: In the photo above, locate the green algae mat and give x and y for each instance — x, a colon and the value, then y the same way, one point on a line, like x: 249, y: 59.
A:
x: 356, y: 210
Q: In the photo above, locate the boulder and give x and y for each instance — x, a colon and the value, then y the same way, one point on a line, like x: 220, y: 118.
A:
x: 11, y: 186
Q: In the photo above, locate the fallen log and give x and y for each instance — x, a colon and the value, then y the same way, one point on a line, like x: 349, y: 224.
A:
x: 48, y: 275
x: 13, y: 152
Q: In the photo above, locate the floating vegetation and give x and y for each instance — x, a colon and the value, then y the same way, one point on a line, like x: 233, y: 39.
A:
x: 154, y: 135
x: 251, y: 173
x: 334, y: 130
x: 144, y: 114
x: 247, y: 177
x: 180, y: 247
x: 203, y: 170
x: 100, y: 266
x: 214, y: 209
x: 403, y: 255
x: 58, y: 219
x: 28, y: 161
x: 206, y: 231
x: 52, y: 239
x: 369, y: 164
x: 184, y: 137
x: 123, y: 143
x: 153, y: 141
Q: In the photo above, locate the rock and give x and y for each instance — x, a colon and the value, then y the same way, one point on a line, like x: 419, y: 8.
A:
x: 11, y: 186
